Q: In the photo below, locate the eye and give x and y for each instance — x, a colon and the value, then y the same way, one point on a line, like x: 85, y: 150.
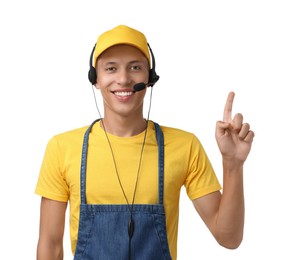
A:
x: 135, y: 67
x: 110, y: 69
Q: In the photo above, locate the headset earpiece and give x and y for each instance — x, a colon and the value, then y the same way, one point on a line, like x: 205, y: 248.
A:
x: 92, y: 75
x: 153, y: 77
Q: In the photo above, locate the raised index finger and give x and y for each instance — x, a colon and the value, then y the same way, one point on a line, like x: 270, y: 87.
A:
x: 228, y: 108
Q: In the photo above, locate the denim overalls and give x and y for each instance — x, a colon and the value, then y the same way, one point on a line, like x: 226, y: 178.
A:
x: 104, y: 229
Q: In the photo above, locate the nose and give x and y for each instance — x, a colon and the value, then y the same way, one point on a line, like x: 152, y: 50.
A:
x: 123, y: 78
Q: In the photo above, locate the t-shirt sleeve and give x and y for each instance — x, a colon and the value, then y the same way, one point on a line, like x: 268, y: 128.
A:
x: 201, y: 179
x: 51, y: 182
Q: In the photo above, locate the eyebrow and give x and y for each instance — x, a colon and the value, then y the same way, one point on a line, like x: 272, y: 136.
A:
x: 130, y: 62
x: 136, y: 61
x: 109, y: 63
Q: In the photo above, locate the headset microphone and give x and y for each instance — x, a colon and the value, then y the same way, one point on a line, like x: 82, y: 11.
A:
x: 139, y: 86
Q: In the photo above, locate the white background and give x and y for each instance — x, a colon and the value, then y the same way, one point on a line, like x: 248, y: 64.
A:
x: 203, y: 50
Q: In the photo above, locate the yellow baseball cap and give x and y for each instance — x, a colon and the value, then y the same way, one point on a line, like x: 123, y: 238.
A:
x: 121, y: 35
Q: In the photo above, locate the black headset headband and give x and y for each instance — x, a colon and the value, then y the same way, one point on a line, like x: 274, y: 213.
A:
x: 153, y: 77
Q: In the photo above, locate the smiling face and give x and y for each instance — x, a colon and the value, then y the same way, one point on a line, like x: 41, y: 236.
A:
x: 119, y: 68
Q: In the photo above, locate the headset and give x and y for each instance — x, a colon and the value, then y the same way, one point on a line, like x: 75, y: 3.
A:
x: 153, y: 77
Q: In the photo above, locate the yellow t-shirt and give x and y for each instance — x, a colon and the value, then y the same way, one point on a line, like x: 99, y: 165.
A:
x: 186, y: 163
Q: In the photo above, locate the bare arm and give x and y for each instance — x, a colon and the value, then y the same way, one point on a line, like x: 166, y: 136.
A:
x: 52, y: 223
x: 224, y: 213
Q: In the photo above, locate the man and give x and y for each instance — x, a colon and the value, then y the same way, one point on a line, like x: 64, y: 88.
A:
x: 122, y: 175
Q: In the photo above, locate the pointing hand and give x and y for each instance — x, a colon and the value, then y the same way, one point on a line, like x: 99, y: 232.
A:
x: 233, y: 136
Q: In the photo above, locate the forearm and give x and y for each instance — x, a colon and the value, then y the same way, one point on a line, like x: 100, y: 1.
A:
x: 230, y: 218
x: 49, y: 251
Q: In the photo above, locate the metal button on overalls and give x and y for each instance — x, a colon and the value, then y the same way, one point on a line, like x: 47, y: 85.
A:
x: 104, y: 229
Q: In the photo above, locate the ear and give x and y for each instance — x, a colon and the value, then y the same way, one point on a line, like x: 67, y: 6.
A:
x: 96, y: 86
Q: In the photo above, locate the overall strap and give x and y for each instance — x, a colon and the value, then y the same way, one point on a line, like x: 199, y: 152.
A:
x: 160, y: 142
x: 84, y: 163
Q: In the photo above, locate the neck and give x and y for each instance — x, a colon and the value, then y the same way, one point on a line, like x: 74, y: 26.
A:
x: 124, y: 127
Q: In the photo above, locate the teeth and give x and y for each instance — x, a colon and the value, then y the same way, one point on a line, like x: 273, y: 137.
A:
x: 123, y: 94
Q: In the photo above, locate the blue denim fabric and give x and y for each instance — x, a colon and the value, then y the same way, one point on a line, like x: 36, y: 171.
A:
x: 103, y: 229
